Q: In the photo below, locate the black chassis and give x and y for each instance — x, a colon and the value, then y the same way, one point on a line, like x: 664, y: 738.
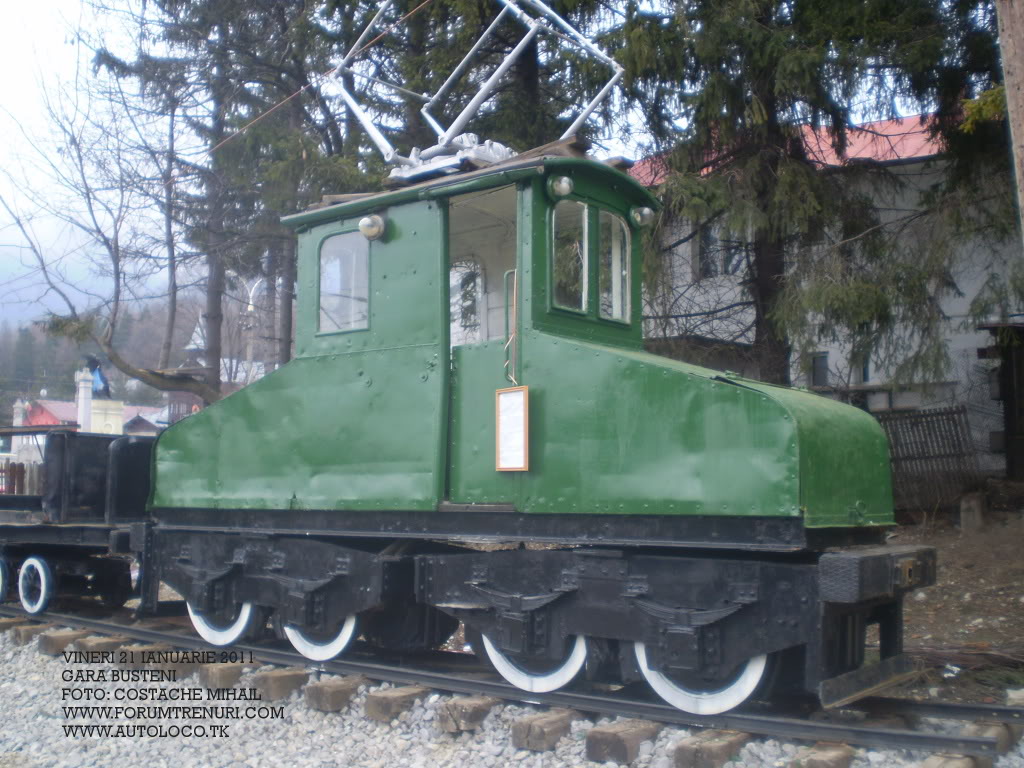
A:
x: 697, y: 610
x: 501, y: 523
x: 312, y: 583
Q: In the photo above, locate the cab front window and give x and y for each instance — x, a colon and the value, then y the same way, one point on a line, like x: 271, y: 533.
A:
x: 569, y: 265
x: 591, y: 262
x: 613, y: 274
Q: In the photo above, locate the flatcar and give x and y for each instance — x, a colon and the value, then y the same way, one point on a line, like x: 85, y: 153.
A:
x: 471, y: 432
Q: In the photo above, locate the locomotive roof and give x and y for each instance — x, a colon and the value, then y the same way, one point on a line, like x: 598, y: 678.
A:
x: 492, y: 176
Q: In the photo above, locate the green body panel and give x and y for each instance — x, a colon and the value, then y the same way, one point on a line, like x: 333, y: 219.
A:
x: 357, y: 420
x: 618, y: 431
x: 387, y: 418
x: 844, y: 469
x: 477, y: 371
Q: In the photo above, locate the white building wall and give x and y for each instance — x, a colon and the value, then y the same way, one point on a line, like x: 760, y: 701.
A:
x: 679, y: 313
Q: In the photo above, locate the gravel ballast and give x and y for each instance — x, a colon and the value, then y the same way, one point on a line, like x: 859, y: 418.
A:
x: 33, y: 735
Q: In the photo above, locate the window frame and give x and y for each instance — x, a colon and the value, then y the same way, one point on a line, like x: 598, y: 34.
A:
x: 588, y: 254
x: 711, y: 250
x: 592, y: 312
x: 814, y: 369
x: 628, y: 272
x: 319, y: 277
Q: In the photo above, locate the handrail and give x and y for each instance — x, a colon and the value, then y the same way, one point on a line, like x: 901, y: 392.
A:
x: 511, y: 328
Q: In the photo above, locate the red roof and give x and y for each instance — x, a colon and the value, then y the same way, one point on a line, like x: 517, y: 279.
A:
x: 51, y: 412
x: 885, y: 141
x: 42, y: 412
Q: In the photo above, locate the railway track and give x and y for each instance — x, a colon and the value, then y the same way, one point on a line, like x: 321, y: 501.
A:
x: 459, y: 674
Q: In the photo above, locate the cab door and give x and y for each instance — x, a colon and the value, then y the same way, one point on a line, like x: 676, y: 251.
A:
x: 381, y: 331
x: 484, y: 249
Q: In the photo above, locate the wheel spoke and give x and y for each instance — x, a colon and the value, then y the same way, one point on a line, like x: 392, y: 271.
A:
x: 35, y: 585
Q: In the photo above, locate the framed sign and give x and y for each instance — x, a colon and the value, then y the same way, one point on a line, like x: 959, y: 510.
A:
x: 512, y: 433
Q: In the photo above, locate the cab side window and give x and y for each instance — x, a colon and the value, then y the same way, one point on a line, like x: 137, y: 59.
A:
x: 344, y: 283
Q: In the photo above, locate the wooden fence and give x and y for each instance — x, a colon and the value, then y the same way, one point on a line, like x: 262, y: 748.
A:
x: 21, y: 478
x: 933, y: 458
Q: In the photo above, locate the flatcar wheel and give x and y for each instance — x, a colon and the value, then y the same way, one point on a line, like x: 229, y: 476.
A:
x: 35, y: 585
x: 701, y: 697
x: 534, y: 680
x: 217, y: 632
x: 5, y: 579
x: 322, y: 649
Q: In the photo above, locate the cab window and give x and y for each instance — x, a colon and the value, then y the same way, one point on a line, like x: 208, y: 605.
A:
x: 569, y: 265
x: 344, y: 283
x: 581, y: 233
x: 613, y: 274
x: 482, y: 242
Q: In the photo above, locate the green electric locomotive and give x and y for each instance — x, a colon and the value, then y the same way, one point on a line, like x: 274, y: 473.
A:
x: 469, y: 369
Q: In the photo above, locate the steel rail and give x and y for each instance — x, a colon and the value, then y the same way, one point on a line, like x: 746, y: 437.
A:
x: 772, y: 725
x: 946, y: 709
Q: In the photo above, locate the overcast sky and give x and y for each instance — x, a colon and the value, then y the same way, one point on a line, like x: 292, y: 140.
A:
x: 37, y: 47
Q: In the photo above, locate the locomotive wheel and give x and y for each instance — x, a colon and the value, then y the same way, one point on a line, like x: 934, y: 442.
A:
x: 218, y: 632
x: 705, y: 697
x: 316, y: 648
x: 5, y: 579
x: 528, y: 677
x: 35, y: 585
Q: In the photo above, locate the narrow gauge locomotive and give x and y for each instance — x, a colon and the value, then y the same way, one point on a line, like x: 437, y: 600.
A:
x: 469, y: 371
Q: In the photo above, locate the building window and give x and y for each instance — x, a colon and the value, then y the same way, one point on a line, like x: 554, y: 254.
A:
x: 613, y: 276
x: 707, y: 264
x: 569, y: 263
x: 719, y: 254
x: 819, y: 369
x: 344, y: 283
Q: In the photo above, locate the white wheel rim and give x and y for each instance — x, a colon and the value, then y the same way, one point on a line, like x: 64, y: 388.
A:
x: 45, y: 585
x: 322, y: 651
x: 221, y: 635
x: 703, y: 702
x: 545, y: 683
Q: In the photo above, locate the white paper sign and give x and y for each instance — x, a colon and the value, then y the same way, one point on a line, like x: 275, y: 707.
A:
x: 512, y: 438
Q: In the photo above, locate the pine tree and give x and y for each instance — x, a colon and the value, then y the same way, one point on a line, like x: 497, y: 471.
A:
x: 726, y: 87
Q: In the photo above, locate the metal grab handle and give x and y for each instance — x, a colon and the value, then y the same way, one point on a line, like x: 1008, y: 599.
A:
x: 511, y: 326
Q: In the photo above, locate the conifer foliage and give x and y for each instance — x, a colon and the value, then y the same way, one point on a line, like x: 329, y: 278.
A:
x: 728, y: 87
